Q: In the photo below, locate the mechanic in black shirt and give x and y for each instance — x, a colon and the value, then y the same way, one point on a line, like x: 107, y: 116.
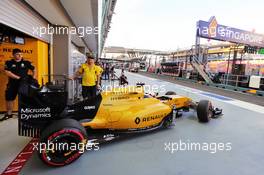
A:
x: 15, y: 69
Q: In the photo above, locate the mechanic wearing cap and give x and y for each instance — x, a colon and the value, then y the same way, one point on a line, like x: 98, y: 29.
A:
x: 15, y: 69
x: 91, y: 74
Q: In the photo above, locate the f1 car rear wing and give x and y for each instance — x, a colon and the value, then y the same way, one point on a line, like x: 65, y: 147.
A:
x: 40, y: 105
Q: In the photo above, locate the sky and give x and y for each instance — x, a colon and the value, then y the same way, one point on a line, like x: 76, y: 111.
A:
x: 168, y: 25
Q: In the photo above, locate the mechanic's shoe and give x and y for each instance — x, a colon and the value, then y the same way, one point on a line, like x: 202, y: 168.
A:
x: 15, y: 115
x: 6, y: 116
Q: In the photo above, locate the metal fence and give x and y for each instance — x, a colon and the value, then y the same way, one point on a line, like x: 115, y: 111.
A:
x: 238, y: 80
x: 235, y: 80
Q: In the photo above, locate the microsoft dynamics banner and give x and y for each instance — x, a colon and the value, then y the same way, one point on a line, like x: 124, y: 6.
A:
x: 212, y: 30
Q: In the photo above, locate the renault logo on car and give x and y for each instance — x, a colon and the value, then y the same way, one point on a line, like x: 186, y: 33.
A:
x: 137, y: 120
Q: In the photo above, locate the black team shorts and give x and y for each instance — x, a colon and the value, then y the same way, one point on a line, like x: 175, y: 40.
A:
x: 88, y: 91
x: 11, y: 91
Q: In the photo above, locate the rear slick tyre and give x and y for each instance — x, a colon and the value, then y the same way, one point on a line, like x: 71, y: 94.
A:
x: 62, y: 142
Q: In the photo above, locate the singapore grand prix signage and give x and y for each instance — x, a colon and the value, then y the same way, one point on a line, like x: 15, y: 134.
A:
x: 215, y: 31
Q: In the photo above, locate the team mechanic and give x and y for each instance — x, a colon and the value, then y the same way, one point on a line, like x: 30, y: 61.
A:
x: 15, y: 69
x: 91, y: 74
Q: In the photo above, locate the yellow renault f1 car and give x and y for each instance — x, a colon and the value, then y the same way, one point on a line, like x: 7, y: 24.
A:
x: 45, y: 113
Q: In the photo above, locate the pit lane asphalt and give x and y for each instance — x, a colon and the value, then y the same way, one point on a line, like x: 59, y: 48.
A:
x: 242, y: 125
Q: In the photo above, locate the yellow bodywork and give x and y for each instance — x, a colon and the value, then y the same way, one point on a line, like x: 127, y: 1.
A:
x: 127, y: 108
x: 178, y: 101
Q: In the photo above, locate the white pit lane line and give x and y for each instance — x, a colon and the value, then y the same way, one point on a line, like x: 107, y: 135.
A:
x: 198, y: 94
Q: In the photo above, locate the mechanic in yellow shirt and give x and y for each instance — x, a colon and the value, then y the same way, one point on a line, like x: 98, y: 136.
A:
x: 91, y: 74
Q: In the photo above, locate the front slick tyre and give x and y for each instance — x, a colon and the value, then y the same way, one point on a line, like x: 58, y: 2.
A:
x: 204, y: 111
x: 62, y: 142
x: 167, y: 123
